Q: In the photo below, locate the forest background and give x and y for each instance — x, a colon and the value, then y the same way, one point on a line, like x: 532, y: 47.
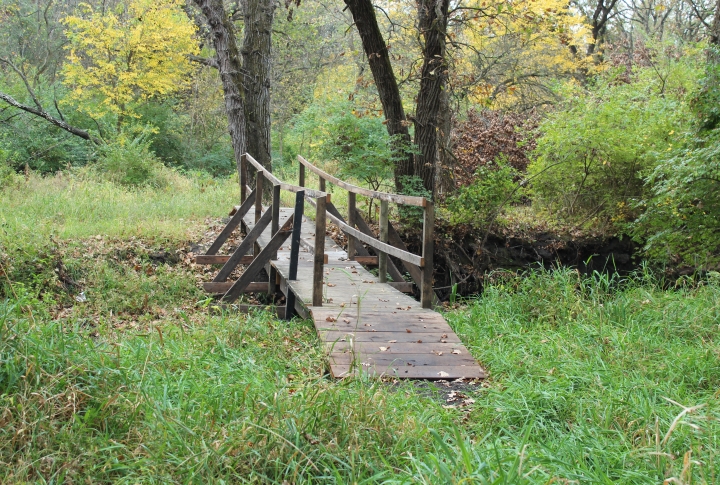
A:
x: 589, y: 117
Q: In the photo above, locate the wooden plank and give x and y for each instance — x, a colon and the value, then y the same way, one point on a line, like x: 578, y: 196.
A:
x: 259, y: 263
x: 215, y: 259
x: 223, y: 287
x: 311, y: 249
x: 232, y: 224
x: 404, y: 287
x: 398, y: 199
x: 366, y: 260
x: 414, y: 372
x: 426, y: 286
x: 331, y: 336
x: 396, y: 348
x: 384, y: 359
x: 319, y: 256
x: 244, y: 247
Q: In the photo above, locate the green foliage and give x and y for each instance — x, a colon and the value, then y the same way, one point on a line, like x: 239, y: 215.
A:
x: 592, y: 153
x: 682, y: 215
x: 356, y: 143
x: 129, y: 161
x: 495, y: 185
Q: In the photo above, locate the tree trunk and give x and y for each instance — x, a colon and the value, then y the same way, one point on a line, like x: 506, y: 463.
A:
x: 230, y: 69
x: 432, y: 17
x: 376, y: 51
x: 256, y: 52
x: 715, y: 33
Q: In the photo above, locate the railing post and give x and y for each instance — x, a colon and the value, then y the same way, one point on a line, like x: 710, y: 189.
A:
x: 426, y: 290
x: 243, y: 178
x: 352, y: 217
x: 294, y: 252
x: 301, y: 176
x: 322, y: 184
x: 258, y: 202
x: 319, y: 259
x: 274, y: 227
x: 382, y: 257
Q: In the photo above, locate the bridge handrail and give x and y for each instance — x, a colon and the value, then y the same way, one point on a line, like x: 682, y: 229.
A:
x: 396, y: 198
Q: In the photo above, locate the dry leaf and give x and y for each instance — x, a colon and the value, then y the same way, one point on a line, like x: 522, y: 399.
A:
x: 408, y: 330
x: 438, y: 352
x: 346, y: 320
x: 331, y: 284
x: 419, y: 341
x: 392, y: 341
x: 456, y: 351
x: 443, y: 341
x: 443, y: 374
x: 443, y: 335
x: 331, y: 319
x: 384, y: 349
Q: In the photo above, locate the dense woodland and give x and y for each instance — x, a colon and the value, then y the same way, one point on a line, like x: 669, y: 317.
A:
x: 541, y: 127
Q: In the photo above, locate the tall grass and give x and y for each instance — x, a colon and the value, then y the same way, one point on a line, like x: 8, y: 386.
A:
x: 592, y: 379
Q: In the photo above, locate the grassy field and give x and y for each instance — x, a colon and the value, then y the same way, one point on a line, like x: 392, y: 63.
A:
x: 592, y: 380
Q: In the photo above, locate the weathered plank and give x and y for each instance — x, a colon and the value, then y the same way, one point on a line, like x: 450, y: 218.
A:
x: 222, y: 287
x: 215, y: 259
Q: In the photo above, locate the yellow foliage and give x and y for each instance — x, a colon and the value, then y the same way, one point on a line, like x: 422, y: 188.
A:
x: 520, y: 43
x: 138, y: 52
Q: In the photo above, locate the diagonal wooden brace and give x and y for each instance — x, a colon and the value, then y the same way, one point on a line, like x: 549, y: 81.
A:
x: 244, y: 247
x: 258, y: 263
x: 232, y: 224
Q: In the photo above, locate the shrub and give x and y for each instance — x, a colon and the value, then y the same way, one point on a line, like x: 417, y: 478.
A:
x: 130, y: 162
x: 593, y: 152
x: 682, y: 216
x: 479, y: 203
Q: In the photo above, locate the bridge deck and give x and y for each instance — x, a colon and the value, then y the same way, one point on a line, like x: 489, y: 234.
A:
x: 367, y: 326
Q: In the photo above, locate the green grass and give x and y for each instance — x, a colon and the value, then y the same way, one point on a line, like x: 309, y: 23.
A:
x: 589, y: 377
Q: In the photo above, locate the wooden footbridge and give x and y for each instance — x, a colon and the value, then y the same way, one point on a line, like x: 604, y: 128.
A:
x: 366, y: 323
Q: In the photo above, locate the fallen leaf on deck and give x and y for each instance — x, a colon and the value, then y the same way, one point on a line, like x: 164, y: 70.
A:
x: 331, y: 319
x: 384, y: 349
x: 443, y: 374
x: 456, y: 351
x: 392, y: 341
x: 408, y: 330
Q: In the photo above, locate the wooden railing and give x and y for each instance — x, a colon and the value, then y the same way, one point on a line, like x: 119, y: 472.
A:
x: 357, y: 231
x: 420, y: 268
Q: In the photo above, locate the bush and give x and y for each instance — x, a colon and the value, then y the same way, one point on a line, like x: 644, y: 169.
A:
x: 592, y: 154
x: 130, y: 162
x: 480, y: 203
x: 682, y: 216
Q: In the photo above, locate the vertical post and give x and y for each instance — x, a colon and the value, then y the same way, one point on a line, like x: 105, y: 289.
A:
x: 352, y: 217
x: 382, y: 257
x: 319, y: 259
x: 258, y: 202
x: 274, y: 226
x: 426, y: 290
x: 322, y: 184
x: 301, y: 176
x: 294, y: 252
x: 243, y: 178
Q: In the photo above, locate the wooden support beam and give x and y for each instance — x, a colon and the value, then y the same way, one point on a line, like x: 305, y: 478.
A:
x: 274, y: 226
x: 243, y: 178
x: 213, y: 259
x: 351, y: 222
x: 383, y: 257
x: 222, y: 288
x: 258, y: 264
x: 232, y: 224
x: 426, y: 288
x: 319, y: 257
x: 290, y: 298
x: 244, y: 247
